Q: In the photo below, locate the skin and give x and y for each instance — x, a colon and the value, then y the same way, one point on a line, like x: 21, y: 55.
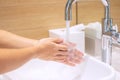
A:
x: 16, y: 51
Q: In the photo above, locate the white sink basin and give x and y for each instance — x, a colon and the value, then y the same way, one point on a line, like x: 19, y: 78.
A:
x: 90, y: 69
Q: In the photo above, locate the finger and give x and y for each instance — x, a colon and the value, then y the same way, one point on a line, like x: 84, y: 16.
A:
x: 60, y: 57
x: 62, y: 47
x: 57, y: 40
x: 70, y: 44
x: 75, y: 56
x: 78, y: 54
x: 61, y: 53
x: 68, y: 63
x: 73, y: 60
x: 65, y: 62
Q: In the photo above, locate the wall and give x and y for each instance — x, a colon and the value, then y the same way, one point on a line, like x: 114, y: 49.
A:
x: 32, y: 18
x: 93, y: 10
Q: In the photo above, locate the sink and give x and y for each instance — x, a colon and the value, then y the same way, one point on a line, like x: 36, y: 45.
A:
x: 116, y: 58
x: 89, y: 69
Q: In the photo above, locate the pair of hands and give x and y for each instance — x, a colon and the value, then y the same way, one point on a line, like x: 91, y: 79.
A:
x: 55, y: 49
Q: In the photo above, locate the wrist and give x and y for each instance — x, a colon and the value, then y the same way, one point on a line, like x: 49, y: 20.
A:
x: 35, y: 42
x: 37, y: 49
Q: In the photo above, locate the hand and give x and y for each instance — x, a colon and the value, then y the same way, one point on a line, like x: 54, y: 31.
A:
x: 74, y: 55
x: 56, y: 49
x: 51, y: 49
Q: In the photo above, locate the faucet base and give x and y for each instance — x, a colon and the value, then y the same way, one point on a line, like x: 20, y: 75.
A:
x: 107, y: 49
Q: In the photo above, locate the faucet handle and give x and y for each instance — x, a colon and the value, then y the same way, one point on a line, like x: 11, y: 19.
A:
x: 115, y: 28
x: 118, y: 39
x: 105, y: 2
x: 75, y: 1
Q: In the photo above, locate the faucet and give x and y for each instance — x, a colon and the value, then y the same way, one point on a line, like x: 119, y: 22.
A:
x: 110, y: 36
x: 108, y: 29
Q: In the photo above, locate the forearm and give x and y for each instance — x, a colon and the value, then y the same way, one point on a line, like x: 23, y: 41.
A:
x: 11, y: 59
x: 9, y: 40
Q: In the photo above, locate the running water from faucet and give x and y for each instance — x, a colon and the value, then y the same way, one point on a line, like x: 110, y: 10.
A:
x: 71, y: 49
x: 67, y: 35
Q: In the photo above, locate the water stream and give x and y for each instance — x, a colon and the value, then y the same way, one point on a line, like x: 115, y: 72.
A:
x: 67, y: 39
x: 67, y: 35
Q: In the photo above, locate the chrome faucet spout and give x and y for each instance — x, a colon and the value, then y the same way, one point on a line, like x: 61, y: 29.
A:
x: 107, y: 10
x: 68, y: 10
x: 107, y: 21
